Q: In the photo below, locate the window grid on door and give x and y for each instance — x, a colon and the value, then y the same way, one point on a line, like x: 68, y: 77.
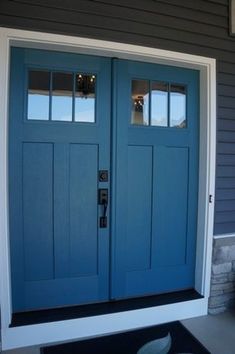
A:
x: 159, y: 104
x: 61, y: 96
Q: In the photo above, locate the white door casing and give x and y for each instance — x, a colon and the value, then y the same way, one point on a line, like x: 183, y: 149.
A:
x: 110, y: 323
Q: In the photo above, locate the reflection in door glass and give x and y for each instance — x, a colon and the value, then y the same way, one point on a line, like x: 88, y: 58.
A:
x: 62, y: 96
x: 159, y: 104
x: 140, y: 102
x: 38, y: 95
x: 178, y: 106
x: 85, y: 98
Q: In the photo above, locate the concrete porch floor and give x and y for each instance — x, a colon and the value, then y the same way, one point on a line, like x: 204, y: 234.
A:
x: 215, y: 332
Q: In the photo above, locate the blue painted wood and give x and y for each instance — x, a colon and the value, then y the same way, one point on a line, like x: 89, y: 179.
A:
x: 61, y: 210
x: 170, y: 204
x: 139, y: 228
x: 59, y: 256
x: 173, y: 187
x: 15, y: 174
x: 83, y: 210
x: 38, y: 211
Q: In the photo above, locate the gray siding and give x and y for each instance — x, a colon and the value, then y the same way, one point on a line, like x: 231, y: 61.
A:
x: 197, y: 27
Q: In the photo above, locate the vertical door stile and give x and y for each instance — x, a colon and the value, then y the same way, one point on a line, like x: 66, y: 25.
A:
x: 61, y: 210
x: 113, y: 176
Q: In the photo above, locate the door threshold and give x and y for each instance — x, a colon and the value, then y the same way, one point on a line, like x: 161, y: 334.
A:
x: 73, y: 312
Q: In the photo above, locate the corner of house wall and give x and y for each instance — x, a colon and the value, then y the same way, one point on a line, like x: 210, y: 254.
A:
x: 222, y: 291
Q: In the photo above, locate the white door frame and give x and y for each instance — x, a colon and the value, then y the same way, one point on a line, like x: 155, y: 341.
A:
x: 110, y: 323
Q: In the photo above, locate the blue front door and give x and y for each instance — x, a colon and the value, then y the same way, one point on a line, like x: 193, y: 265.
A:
x: 62, y: 139
x: 59, y: 140
x: 156, y: 179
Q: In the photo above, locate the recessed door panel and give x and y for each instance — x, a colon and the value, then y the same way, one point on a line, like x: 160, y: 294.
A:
x: 139, y: 199
x: 38, y: 210
x: 83, y: 210
x: 170, y: 208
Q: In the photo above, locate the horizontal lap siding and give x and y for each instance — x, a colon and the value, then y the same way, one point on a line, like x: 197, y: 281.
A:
x: 195, y: 27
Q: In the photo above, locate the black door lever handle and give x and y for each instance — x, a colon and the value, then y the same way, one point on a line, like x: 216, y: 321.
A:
x: 103, y: 200
x: 105, y: 205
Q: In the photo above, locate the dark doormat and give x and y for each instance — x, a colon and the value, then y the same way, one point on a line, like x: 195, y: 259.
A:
x: 130, y: 342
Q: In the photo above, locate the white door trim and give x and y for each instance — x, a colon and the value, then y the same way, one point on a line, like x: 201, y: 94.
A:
x: 98, y: 325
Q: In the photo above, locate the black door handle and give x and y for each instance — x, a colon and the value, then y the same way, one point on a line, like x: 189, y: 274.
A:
x: 103, y: 201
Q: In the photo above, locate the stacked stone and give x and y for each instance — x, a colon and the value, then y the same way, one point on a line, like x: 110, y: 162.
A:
x: 222, y: 295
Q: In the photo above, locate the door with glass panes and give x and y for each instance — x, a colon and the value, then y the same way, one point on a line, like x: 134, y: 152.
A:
x: 103, y: 170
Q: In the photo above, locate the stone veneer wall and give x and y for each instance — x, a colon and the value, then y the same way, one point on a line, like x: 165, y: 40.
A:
x: 222, y: 295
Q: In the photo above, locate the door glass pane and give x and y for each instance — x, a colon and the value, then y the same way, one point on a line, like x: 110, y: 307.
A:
x: 140, y: 102
x: 62, y: 96
x: 178, y: 106
x: 85, y: 98
x: 38, y: 95
x: 159, y: 104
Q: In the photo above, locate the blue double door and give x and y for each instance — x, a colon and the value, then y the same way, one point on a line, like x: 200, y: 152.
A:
x: 103, y: 175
